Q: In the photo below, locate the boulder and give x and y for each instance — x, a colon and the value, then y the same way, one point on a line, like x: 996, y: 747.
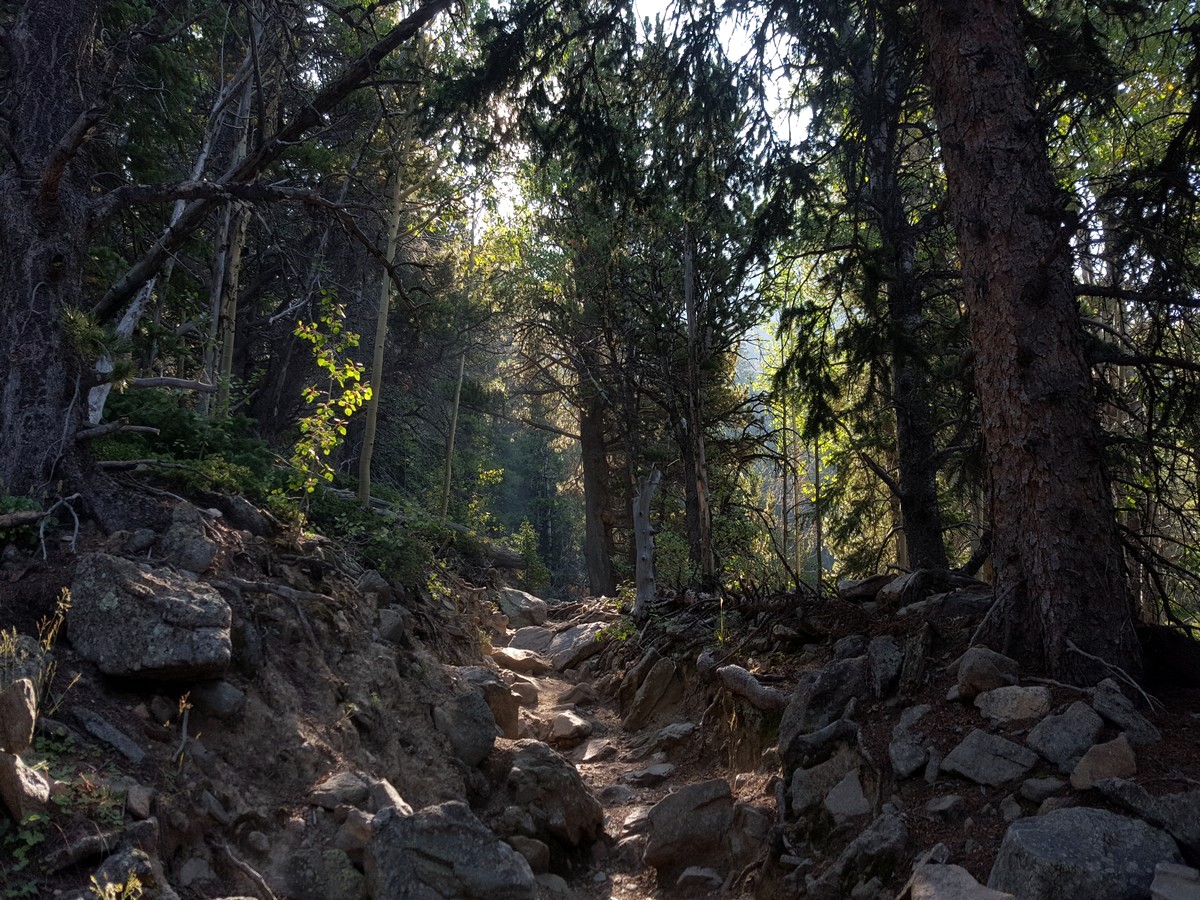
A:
x: 1115, y: 707
x: 568, y: 728
x: 535, y: 852
x: 846, y: 800
x: 972, y: 601
x: 1113, y: 759
x: 467, y: 722
x: 569, y: 648
x: 650, y: 776
x: 533, y: 638
x: 563, y: 810
x: 1172, y: 882
x: 324, y: 872
x: 1036, y: 790
x: 186, y: 545
x: 134, y: 621
x: 947, y: 808
x: 810, y: 786
x: 660, y: 690
x: 947, y: 882
x: 598, y: 750
x: 383, y: 795
x: 688, y: 827
x: 1013, y: 704
x: 821, y: 698
x: 340, y: 789
x: 876, y: 851
x: 850, y: 646
x: 22, y: 790
x: 863, y: 589
x: 219, y: 699
x: 1080, y: 854
x: 114, y: 873
x: 989, y: 759
x: 981, y: 669
x: 504, y: 704
x: 524, y: 662
x: 884, y: 657
x: 1177, y: 814
x: 635, y: 675
x: 523, y: 610
x: 444, y: 852
x: 1064, y: 738
x: 893, y: 593
x: 18, y: 714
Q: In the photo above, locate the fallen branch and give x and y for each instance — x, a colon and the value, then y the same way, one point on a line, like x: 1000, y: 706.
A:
x: 1117, y: 670
x: 24, y: 517
x: 123, y: 465
x: 183, y: 384
x: 738, y: 681
x: 120, y: 425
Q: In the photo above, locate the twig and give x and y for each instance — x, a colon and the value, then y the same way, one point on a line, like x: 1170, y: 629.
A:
x: 264, y: 890
x: 62, y: 501
x: 1117, y: 670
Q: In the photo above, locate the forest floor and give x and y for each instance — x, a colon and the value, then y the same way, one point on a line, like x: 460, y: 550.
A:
x: 324, y: 691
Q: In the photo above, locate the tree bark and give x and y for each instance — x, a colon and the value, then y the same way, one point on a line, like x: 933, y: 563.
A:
x: 597, y: 544
x: 1058, y: 562
x: 643, y: 542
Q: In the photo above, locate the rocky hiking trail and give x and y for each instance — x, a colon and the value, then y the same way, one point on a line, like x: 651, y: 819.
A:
x: 227, y: 717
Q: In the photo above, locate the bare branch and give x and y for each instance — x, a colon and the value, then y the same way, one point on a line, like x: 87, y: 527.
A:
x: 121, y: 425
x: 183, y: 384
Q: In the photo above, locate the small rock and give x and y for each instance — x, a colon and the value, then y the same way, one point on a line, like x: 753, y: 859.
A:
x: 218, y: 698
x: 383, y: 795
x: 809, y: 786
x: 553, y: 884
x: 616, y: 795
x: 468, y: 724
x: 988, y: 759
x: 1054, y: 804
x: 981, y: 669
x: 568, y: 728
x: 22, y: 790
x: 907, y: 751
x: 1174, y: 882
x: 527, y: 693
x: 526, y: 662
x: 18, y: 713
x: 1038, y: 789
x: 850, y: 646
x: 354, y: 834
x: 699, y: 878
x: 598, y: 750
x: 1010, y: 809
x: 864, y: 589
x: 536, y: 853
x: 1113, y: 759
x: 139, y: 800
x: 885, y: 658
x: 946, y: 882
x: 1064, y: 738
x: 1115, y: 707
x: 660, y: 690
x: 649, y: 776
x: 1011, y: 704
x: 101, y: 729
x: 688, y: 827
x: 582, y: 694
x: 522, y: 609
x: 949, y: 808
x: 637, y: 821
x: 341, y: 789
x: 847, y: 799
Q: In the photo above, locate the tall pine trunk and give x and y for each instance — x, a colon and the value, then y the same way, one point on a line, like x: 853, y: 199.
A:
x: 1061, y: 589
x: 597, y: 543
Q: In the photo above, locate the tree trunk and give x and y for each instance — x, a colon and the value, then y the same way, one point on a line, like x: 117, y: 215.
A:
x: 44, y: 205
x: 597, y: 548
x: 1064, y: 607
x: 699, y: 514
x: 643, y: 542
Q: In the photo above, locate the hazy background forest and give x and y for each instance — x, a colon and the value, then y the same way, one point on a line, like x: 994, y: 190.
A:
x: 494, y: 265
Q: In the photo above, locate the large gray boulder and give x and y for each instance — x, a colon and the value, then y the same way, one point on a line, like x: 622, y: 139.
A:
x: 467, y: 722
x: 532, y: 637
x: 660, y: 690
x: 1064, y: 738
x: 1177, y: 814
x: 549, y: 788
x: 1080, y: 854
x: 18, y: 712
x: 875, y: 852
x: 444, y: 853
x: 575, y: 645
x: 522, y: 609
x: 689, y: 826
x: 186, y: 545
x: 504, y: 704
x: 134, y: 621
x: 821, y: 698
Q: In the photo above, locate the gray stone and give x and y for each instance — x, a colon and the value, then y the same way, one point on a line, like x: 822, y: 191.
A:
x: 907, y: 752
x: 536, y: 853
x: 877, y: 848
x: 101, y: 729
x: 568, y: 728
x: 467, y: 722
x: 524, y: 662
x: 947, y: 882
x: 444, y: 852
x: 383, y: 795
x: 354, y: 834
x: 1113, y: 759
x: 846, y: 800
x: 551, y: 790
x: 1115, y: 707
x: 553, y: 884
x: 637, y: 821
x: 1011, y: 704
x: 1064, y: 738
x: 115, y: 871
x: 1038, y: 789
x: 533, y: 638
x: 18, y: 713
x: 504, y: 704
x: 821, y: 698
x: 582, y: 694
x: 981, y: 669
x: 892, y: 593
x: 864, y: 589
x: 885, y: 658
x: 973, y: 601
x: 1010, y: 809
x: 617, y: 795
x: 688, y: 827
x: 649, y: 776
x: 185, y: 545
x: 661, y: 689
x: 395, y: 624
x: 327, y: 873
x: 340, y: 789
x: 134, y: 621
x: 699, y: 878
x: 218, y: 698
x: 22, y: 790
x: 569, y: 648
x: 948, y: 808
x: 1080, y: 854
x: 598, y: 750
x: 988, y: 759
x: 526, y: 693
x: 809, y: 786
x: 1177, y: 814
x: 748, y: 834
x: 1173, y: 882
x: 523, y: 609
x: 636, y: 674
x: 850, y: 646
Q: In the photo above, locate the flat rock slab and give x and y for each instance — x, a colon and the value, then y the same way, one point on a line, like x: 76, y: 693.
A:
x: 103, y: 730
x: 1080, y: 854
x: 523, y: 662
x: 1115, y: 707
x: 650, y: 776
x: 533, y: 638
x: 1112, y: 759
x: 1012, y: 703
x: 569, y: 648
x: 1172, y: 882
x: 988, y: 759
x: 131, y: 620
